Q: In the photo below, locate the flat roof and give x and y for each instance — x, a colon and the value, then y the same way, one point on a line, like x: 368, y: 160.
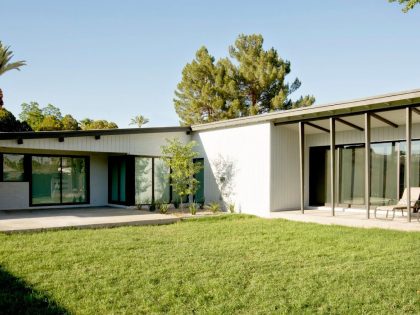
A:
x: 353, y: 107
x: 87, y: 133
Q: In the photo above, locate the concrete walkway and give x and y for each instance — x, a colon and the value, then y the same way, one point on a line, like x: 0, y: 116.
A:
x: 36, y: 220
x: 351, y: 218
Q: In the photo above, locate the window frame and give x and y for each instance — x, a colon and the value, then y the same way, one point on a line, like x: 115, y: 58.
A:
x: 61, y: 203
x: 25, y: 171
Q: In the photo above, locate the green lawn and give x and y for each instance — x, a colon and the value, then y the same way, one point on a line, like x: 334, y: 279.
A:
x: 228, y: 264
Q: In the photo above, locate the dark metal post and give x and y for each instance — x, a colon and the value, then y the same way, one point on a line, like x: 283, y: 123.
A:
x: 302, y: 165
x: 408, y: 158
x: 367, y: 164
x: 332, y: 162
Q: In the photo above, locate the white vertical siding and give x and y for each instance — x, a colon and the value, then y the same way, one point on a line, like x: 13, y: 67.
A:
x: 245, y: 152
x: 285, y: 171
x: 136, y: 144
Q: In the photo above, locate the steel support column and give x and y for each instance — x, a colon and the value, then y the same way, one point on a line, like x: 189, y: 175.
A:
x: 302, y: 165
x: 332, y: 164
x: 367, y: 164
x: 408, y: 121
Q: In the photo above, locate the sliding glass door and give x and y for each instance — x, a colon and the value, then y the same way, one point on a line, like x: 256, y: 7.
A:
x: 387, y: 173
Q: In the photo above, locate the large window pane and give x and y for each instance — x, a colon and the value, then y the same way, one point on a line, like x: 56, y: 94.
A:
x: 162, y: 188
x: 74, y: 180
x: 415, y: 165
x: 143, y: 180
x: 384, y: 173
x: 114, y: 180
x: 13, y: 170
x: 352, y: 175
x: 123, y: 171
x: 46, y: 180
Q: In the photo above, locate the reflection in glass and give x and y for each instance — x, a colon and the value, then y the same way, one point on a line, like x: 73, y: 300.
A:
x: 384, y: 173
x: 13, y: 170
x: 161, y: 178
x: 73, y: 180
x: 352, y: 175
x: 46, y: 180
x: 143, y: 180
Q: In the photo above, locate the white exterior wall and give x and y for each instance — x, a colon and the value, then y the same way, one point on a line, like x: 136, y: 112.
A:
x: 285, y: 169
x: 135, y: 144
x: 14, y: 196
x: 242, y: 155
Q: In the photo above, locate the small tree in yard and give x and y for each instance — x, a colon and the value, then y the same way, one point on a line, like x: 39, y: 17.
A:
x: 179, y: 158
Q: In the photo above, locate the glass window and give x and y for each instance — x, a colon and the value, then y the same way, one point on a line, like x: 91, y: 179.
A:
x: 415, y: 165
x: 384, y: 173
x: 74, y: 180
x: 46, y: 173
x: 161, y: 181
x: 114, y: 180
x: 13, y: 169
x: 143, y: 180
x: 352, y: 175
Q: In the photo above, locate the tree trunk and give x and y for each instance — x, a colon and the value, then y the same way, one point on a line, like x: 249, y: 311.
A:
x: 1, y: 99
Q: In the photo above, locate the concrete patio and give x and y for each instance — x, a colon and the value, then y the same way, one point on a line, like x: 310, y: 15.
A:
x: 349, y: 217
x: 36, y: 220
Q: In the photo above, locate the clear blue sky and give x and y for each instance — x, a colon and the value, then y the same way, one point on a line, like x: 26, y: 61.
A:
x: 115, y: 59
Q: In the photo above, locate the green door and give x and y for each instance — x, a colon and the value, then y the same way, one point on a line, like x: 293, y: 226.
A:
x: 199, y: 195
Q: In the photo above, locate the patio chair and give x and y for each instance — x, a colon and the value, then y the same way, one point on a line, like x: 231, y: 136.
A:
x: 402, y: 203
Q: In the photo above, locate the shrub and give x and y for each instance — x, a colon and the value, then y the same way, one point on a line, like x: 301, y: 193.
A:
x: 231, y: 207
x: 163, y: 208
x: 193, y: 207
x: 213, y: 207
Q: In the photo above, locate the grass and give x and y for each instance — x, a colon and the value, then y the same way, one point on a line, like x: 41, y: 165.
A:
x: 227, y: 264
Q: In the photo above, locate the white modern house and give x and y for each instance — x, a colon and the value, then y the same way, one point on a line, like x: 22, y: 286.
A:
x: 358, y: 154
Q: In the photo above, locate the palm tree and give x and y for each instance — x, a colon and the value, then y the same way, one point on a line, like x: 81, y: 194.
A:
x: 139, y: 120
x: 5, y: 65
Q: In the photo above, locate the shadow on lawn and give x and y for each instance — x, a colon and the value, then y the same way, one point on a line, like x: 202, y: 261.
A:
x: 17, y: 297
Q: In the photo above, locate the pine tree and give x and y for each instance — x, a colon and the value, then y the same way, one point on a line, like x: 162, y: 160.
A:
x: 254, y: 83
x: 207, y: 91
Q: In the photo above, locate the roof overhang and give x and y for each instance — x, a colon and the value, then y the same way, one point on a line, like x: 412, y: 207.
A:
x: 87, y: 133
x: 380, y: 103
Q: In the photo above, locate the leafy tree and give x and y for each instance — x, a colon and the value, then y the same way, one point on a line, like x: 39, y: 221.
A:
x: 6, y: 56
x: 32, y: 114
x: 253, y: 83
x: 89, y: 124
x: 50, y: 123
x: 179, y: 159
x: 139, y: 121
x: 51, y: 110
x: 409, y: 4
x: 9, y: 123
x: 69, y: 123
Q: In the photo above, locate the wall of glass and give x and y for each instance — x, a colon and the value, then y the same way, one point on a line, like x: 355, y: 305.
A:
x: 387, y: 173
x: 351, y: 179
x: 58, y: 180
x: 46, y: 172
x: 143, y: 180
x: 13, y: 168
x: 73, y: 180
x: 161, y: 181
x: 151, y: 180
